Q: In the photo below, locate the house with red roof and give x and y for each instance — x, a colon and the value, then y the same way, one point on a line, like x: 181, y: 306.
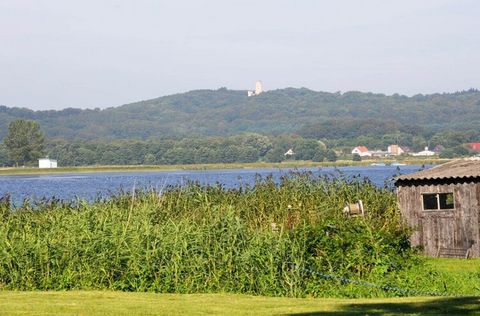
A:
x: 473, y: 146
x: 362, y: 151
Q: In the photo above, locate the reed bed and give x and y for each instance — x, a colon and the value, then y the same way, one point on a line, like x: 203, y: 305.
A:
x: 202, y: 239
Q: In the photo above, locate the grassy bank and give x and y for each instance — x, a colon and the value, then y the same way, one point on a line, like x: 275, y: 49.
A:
x: 256, y: 165
x: 118, y: 303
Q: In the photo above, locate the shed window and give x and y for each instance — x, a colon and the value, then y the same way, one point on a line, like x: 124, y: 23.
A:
x: 438, y: 201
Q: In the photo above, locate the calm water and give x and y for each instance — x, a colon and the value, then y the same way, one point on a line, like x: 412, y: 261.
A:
x: 92, y: 185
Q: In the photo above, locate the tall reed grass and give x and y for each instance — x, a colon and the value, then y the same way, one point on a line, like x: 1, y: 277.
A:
x: 196, y: 238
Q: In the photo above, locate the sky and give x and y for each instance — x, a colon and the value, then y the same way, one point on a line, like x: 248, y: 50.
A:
x: 56, y: 54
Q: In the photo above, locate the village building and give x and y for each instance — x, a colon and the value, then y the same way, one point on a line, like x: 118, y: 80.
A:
x: 395, y: 150
x: 442, y: 205
x: 473, y: 146
x: 378, y: 153
x: 47, y: 163
x: 362, y: 151
x: 289, y: 153
x: 425, y: 152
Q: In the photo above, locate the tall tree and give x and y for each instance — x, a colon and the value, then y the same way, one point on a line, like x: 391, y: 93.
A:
x: 24, y: 141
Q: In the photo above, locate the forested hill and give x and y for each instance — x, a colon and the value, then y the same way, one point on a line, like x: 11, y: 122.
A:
x: 227, y: 112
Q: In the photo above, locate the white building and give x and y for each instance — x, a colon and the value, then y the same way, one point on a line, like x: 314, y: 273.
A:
x: 46, y: 163
x: 425, y: 152
x: 289, y: 153
x: 258, y: 89
x: 362, y: 151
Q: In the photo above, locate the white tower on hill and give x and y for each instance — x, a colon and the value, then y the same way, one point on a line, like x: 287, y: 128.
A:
x: 258, y: 89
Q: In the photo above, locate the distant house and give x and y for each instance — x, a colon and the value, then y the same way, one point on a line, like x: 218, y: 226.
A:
x: 395, y: 150
x: 46, y: 163
x: 378, y: 153
x: 289, y: 153
x: 473, y: 146
x: 425, y: 152
x: 362, y: 151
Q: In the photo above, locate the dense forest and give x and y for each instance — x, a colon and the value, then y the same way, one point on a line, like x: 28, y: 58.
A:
x: 219, y: 125
x: 226, y: 112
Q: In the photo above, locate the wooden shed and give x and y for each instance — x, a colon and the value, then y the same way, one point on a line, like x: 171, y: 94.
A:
x: 442, y: 204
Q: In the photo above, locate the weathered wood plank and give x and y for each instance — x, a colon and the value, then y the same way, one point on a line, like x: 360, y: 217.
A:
x: 447, y: 229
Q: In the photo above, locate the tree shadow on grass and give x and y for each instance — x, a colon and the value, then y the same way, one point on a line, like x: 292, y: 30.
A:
x: 440, y: 306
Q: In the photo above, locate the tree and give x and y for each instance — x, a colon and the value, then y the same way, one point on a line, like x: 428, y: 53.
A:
x: 24, y: 141
x: 275, y: 155
x: 149, y: 159
x: 457, y: 151
x: 331, y: 155
x: 308, y: 149
x: 3, y: 155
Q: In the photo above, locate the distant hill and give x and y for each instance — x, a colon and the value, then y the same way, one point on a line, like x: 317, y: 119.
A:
x: 226, y: 112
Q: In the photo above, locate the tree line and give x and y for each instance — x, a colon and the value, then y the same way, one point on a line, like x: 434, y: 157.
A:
x: 25, y: 143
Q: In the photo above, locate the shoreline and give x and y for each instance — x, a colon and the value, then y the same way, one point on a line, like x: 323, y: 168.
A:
x: 214, y: 166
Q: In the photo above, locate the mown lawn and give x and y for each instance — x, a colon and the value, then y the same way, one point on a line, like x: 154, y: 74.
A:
x: 120, y: 303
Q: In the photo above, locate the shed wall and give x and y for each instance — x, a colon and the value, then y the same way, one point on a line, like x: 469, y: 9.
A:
x: 458, y: 228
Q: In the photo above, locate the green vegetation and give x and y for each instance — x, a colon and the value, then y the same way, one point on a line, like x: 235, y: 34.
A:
x: 209, y: 239
x: 24, y: 141
x: 459, y: 276
x: 245, y: 148
x: 224, y: 126
x: 107, y: 303
x: 201, y: 239
x: 226, y: 112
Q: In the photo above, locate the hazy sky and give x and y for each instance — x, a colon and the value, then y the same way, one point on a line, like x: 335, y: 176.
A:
x: 98, y: 53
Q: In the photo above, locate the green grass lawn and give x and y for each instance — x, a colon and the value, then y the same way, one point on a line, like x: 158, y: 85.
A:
x: 455, y: 266
x: 458, y: 275
x: 119, y: 303
x: 123, y: 303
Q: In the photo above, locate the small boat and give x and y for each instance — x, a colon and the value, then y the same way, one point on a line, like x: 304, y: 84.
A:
x: 397, y: 164
x: 378, y: 164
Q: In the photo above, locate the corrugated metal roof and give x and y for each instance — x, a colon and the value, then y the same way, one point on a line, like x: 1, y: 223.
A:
x: 457, y: 169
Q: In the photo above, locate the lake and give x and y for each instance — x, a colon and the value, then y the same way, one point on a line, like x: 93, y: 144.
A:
x: 91, y: 185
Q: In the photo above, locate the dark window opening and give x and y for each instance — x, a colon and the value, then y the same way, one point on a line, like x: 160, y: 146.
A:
x: 438, y: 201
x: 430, y: 202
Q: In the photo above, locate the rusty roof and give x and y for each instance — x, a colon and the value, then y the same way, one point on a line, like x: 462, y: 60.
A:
x: 457, y: 169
